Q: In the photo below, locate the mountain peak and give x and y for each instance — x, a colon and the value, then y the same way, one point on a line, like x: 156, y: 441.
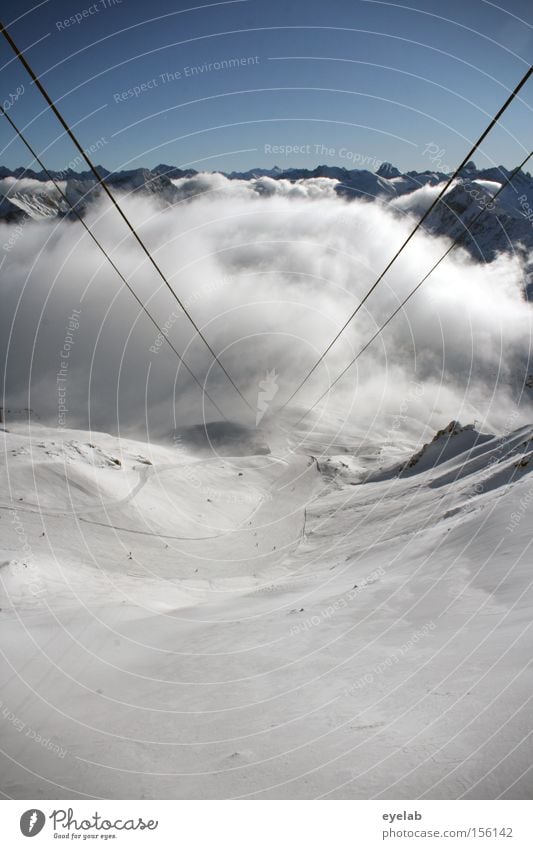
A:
x: 388, y: 171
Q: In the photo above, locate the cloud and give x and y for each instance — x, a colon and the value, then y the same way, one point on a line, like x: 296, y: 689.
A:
x: 270, y: 276
x: 420, y: 200
x: 220, y: 186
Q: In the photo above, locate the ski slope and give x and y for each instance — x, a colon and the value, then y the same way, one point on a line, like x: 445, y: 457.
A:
x: 312, y: 622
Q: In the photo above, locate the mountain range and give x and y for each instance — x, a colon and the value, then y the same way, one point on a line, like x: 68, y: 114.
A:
x: 505, y: 225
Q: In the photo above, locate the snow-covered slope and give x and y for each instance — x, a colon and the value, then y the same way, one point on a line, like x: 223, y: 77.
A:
x: 295, y: 624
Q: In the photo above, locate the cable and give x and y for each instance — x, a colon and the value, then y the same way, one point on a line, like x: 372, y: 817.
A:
x: 119, y: 209
x: 103, y: 250
x: 417, y: 287
x: 467, y: 158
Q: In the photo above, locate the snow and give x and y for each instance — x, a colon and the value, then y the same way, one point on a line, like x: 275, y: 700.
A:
x: 312, y: 622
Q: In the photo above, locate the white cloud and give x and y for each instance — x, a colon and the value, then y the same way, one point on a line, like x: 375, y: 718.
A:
x: 270, y: 276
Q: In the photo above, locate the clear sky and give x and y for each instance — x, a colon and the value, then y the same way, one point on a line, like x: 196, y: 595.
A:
x: 343, y: 82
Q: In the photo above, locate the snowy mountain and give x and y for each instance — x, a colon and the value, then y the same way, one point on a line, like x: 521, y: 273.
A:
x: 290, y: 625
x: 335, y: 606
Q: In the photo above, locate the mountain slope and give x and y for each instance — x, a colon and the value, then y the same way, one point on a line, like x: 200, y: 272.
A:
x: 289, y: 625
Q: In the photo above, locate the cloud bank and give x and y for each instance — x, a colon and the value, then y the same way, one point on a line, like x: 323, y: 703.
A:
x: 270, y: 271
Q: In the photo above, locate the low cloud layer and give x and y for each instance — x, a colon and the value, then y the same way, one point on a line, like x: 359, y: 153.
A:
x: 270, y: 271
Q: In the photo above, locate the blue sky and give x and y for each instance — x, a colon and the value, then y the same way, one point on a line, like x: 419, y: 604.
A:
x: 345, y: 82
